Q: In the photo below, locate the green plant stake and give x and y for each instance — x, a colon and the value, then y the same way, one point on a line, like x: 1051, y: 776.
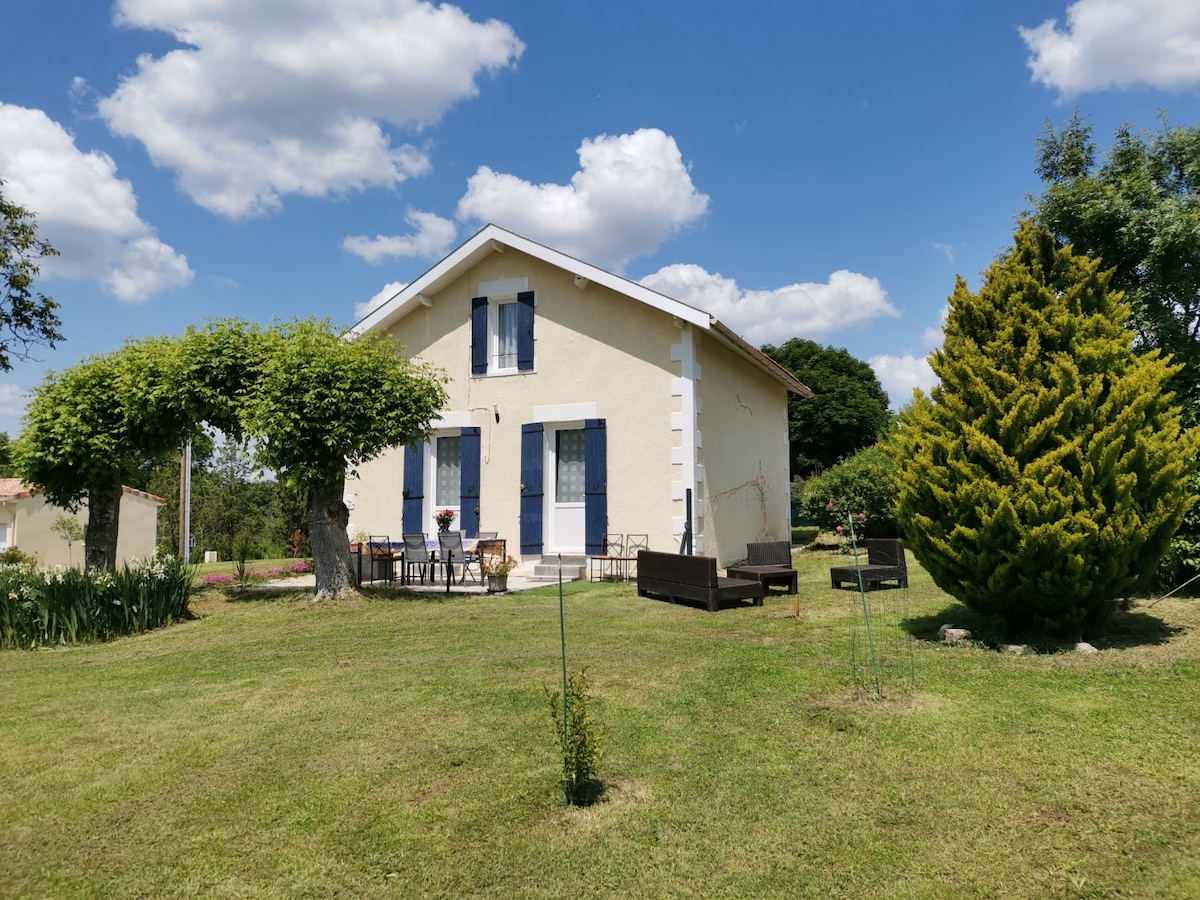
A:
x: 562, y: 630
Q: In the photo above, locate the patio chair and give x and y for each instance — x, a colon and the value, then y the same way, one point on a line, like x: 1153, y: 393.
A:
x: 379, y: 551
x: 612, y: 550
x: 490, y: 550
x: 480, y: 538
x: 450, y: 551
x: 416, y: 553
x: 633, y: 544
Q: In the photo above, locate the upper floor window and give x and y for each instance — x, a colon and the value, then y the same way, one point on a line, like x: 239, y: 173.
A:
x: 502, y: 334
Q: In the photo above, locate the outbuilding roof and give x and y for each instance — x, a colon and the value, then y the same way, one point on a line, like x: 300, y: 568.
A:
x: 16, y: 489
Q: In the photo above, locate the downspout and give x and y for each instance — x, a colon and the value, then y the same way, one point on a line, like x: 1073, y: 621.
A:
x: 684, y: 421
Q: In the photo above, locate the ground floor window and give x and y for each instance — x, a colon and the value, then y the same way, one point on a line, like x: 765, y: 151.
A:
x: 569, y: 456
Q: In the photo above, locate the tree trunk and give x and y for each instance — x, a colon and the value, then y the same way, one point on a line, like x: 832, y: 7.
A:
x: 100, y: 538
x: 327, y: 519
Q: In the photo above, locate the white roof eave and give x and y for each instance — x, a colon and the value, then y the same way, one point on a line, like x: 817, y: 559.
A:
x: 488, y: 240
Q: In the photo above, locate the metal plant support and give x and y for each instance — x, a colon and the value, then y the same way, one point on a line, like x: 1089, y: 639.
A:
x: 881, y: 651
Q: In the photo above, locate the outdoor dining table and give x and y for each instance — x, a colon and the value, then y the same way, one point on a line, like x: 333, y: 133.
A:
x: 433, y: 546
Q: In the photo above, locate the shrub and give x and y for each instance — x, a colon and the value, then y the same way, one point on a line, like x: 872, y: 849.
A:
x: 862, y: 487
x: 580, y: 746
x: 15, y: 556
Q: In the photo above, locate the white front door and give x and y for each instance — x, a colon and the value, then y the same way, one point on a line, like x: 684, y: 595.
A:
x: 565, y: 497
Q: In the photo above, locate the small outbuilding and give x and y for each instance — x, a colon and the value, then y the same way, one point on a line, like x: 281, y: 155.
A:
x: 26, y: 517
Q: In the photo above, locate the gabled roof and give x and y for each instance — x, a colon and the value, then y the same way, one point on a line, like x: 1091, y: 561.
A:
x: 492, y: 238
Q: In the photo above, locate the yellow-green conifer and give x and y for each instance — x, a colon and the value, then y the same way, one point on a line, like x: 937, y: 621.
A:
x: 1044, y: 476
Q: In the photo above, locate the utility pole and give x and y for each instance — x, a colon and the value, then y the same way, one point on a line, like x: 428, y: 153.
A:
x: 185, y: 503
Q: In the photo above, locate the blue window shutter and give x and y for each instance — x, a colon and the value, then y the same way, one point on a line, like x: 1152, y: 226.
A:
x: 468, y: 513
x: 414, y: 487
x: 532, y: 489
x: 479, y: 341
x: 595, y: 485
x: 525, y: 331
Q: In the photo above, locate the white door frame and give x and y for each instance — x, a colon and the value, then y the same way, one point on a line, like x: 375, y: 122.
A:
x: 565, y: 522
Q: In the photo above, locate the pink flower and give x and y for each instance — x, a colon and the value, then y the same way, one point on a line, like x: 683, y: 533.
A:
x: 862, y: 516
x: 829, y: 505
x: 839, y: 528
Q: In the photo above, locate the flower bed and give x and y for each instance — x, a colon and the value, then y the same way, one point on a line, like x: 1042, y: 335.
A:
x: 257, y: 576
x: 41, y: 607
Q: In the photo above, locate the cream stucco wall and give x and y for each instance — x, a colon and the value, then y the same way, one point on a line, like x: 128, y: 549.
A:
x: 742, y: 423
x: 578, y: 374
x: 598, y: 354
x: 33, y: 516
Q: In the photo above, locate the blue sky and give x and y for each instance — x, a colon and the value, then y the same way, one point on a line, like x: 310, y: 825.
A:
x: 799, y: 170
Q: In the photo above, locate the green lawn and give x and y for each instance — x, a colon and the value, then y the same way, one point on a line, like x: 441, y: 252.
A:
x: 402, y: 747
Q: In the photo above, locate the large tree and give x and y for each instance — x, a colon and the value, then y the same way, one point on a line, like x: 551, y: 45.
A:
x: 847, y: 412
x: 321, y: 403
x: 1138, y: 211
x: 26, y: 318
x: 91, y: 428
x: 1044, y: 476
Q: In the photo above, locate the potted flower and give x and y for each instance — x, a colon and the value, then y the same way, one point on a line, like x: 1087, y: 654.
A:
x: 444, y: 519
x: 495, y: 569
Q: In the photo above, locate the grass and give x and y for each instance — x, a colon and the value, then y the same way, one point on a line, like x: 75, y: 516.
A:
x: 398, y: 746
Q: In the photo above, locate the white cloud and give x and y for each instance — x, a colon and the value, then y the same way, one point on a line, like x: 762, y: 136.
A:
x: 933, y: 336
x: 1118, y: 44
x: 947, y: 250
x: 287, y: 96
x: 84, y: 210
x: 386, y: 293
x: 632, y: 192
x: 900, y: 374
x: 433, y: 238
x: 773, y: 316
x: 12, y: 401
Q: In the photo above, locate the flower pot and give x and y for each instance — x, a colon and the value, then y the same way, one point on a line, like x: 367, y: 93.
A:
x: 497, y: 584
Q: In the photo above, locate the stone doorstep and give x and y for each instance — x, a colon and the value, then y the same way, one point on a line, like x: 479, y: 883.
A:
x: 573, y: 568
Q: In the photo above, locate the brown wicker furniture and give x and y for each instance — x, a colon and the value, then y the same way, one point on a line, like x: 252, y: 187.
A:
x: 769, y: 562
x: 885, y: 562
x: 691, y: 578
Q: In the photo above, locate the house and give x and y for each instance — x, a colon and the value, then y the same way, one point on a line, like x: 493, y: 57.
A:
x: 580, y: 403
x: 26, y: 517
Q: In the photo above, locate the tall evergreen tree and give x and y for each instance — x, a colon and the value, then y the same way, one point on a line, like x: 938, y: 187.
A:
x: 1045, y: 475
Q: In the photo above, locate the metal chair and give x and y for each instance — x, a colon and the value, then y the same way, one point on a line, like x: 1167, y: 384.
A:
x: 450, y: 551
x: 490, y: 550
x: 633, y: 544
x: 379, y: 551
x: 416, y: 553
x: 611, y: 551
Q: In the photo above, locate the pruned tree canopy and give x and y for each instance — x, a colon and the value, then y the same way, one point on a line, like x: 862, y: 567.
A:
x: 313, y: 401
